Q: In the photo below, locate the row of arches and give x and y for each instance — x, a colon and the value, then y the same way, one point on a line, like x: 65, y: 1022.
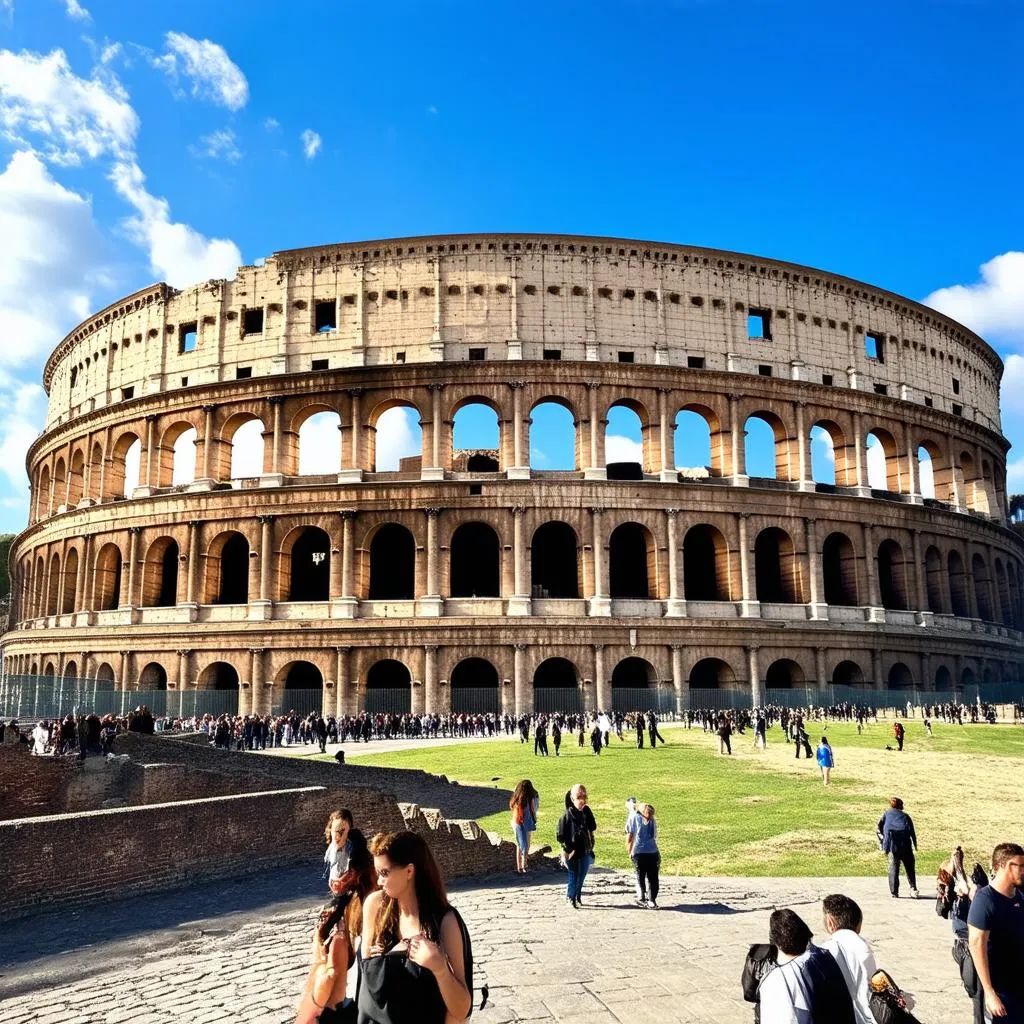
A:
x: 624, y: 439
x: 387, y: 568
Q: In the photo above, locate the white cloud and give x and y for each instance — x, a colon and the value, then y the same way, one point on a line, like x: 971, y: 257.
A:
x: 219, y: 145
x: 207, y: 66
x: 271, y: 124
x: 76, y: 11
x: 111, y: 51
x: 398, y: 437
x: 877, y: 478
x: 22, y: 412
x: 1015, y: 476
x: 8, y: 6
x: 431, y: 109
x: 310, y: 143
x: 1012, y: 385
x: 622, y: 449
x: 993, y: 305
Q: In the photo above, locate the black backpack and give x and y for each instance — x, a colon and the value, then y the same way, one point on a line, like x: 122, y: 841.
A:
x: 467, y: 960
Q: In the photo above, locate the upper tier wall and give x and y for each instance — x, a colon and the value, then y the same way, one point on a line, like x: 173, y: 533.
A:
x: 514, y: 297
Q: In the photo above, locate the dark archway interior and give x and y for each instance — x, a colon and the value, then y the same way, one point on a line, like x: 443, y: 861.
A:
x: 709, y: 674
x: 900, y: 677
x: 700, y: 570
x: 625, y: 471
x: 933, y: 580
x: 474, y: 673
x: 387, y: 675
x: 392, y: 564
x: 839, y: 567
x: 475, y: 562
x: 222, y: 676
x: 847, y: 673
x: 634, y: 673
x: 890, y: 576
x: 310, y: 566
x: 783, y: 674
x: 553, y: 561
x: 771, y: 549
x: 303, y: 676
x: 234, y: 571
x: 943, y: 679
x: 554, y: 673
x: 958, y: 585
x: 627, y: 555
x: 981, y: 588
x: 109, y: 582
x: 168, y: 594
x: 153, y: 677
x: 481, y: 464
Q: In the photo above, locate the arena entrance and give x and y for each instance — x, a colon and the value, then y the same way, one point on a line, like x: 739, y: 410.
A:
x: 153, y: 688
x: 388, y: 688
x: 635, y: 686
x: 556, y: 687
x: 713, y: 684
x: 299, y: 687
x: 475, y: 687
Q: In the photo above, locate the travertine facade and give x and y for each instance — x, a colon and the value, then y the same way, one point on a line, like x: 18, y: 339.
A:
x: 667, y: 579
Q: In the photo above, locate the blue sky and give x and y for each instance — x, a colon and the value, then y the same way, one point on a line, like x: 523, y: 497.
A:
x: 145, y: 141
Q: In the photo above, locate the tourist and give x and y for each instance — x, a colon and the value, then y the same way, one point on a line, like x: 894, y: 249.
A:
x: 724, y: 732
x: 40, y: 738
x: 575, y: 832
x: 642, y: 844
x: 800, y: 738
x: 955, y: 892
x: 413, y: 960
x: 652, y: 728
x: 556, y: 734
x: 336, y: 856
x: 808, y: 986
x: 898, y: 841
x: 335, y: 936
x: 605, y: 725
x: 843, y: 919
x: 595, y: 738
x: 826, y: 762
x: 524, y: 804
x: 995, y: 925
x: 760, y: 732
x: 899, y: 732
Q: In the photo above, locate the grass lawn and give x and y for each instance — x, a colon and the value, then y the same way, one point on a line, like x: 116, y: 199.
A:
x: 765, y: 813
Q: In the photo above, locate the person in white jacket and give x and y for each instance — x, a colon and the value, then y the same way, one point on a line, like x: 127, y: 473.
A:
x: 843, y: 919
x: 40, y: 737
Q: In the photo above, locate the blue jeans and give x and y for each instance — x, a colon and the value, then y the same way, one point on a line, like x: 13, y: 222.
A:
x: 578, y: 866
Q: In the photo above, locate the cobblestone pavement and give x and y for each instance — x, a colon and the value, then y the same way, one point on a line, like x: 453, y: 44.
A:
x: 237, y: 952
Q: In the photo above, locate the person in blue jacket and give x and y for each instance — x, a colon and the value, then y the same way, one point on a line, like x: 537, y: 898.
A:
x: 898, y: 841
x: 826, y: 762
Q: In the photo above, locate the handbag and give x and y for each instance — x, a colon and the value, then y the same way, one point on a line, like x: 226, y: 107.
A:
x: 761, y: 960
x: 887, y: 1001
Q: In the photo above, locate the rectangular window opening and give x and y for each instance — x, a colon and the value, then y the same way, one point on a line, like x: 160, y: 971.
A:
x: 625, y: 357
x: 956, y: 386
x: 958, y: 410
x: 476, y: 489
x: 874, y: 346
x: 243, y: 373
x: 399, y: 357
x: 324, y: 316
x: 827, y: 379
x: 184, y: 382
x: 881, y: 389
x: 320, y: 364
x: 478, y: 353
x: 188, y: 337
x: 552, y: 353
x: 253, y: 321
x: 695, y: 362
x: 764, y: 370
x: 127, y: 393
x: 928, y: 401
x: 759, y: 324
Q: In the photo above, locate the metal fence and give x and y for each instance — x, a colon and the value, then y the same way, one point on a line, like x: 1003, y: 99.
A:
x: 557, y: 698
x: 643, y: 698
x: 476, y: 700
x: 302, y: 702
x: 798, y: 697
x: 396, y: 700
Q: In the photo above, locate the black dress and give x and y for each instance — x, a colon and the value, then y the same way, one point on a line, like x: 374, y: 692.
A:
x: 395, y: 990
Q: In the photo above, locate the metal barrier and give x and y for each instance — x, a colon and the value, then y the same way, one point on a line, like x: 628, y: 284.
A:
x: 302, y: 702
x: 550, y: 699
x: 643, y: 698
x: 395, y: 700
x: 476, y: 700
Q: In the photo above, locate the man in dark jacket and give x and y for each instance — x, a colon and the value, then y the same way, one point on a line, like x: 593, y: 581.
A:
x: 898, y: 841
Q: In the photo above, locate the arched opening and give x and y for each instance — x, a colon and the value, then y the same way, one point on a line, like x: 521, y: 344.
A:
x: 943, y: 680
x: 218, y: 676
x: 1004, y: 612
x: 475, y: 687
x: 130, y: 467
x: 247, y: 450
x: 107, y: 586
x: 979, y: 570
x: 968, y: 677
x: 71, y: 670
x: 227, y: 570
x: 972, y: 486
x: 892, y: 576
x: 475, y: 561
x: 775, y: 567
x: 839, y: 570
x: 848, y: 673
x: 624, y: 442
x: 934, y: 574
x: 784, y: 674
x: 299, y: 688
x: 53, y: 586
x: 556, y: 686
x: 39, y: 602
x: 634, y: 685
x: 153, y: 677
x: 183, y: 461
x: 392, y: 564
x: 95, y: 471
x: 698, y: 440
x: 883, y: 461
x: 632, y: 567
x: 105, y: 674
x: 301, y: 675
x: 1015, y: 602
x: 160, y: 574
x: 705, y: 564
x: 43, y: 494
x: 306, y: 565
x: 60, y: 481
x: 900, y: 677
x: 76, y: 479
x: 476, y: 438
x: 958, y: 585
x: 712, y: 674
x: 766, y: 449
x: 925, y: 472
x: 823, y: 454
x: 553, y: 441
x: 554, y: 560
x: 396, y: 440
x: 70, y: 598
x: 320, y: 444
x: 389, y: 688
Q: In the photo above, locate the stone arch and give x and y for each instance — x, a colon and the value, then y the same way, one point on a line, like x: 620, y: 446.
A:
x: 926, y: 471
x: 391, y: 564
x: 970, y: 484
x: 53, y: 586
x: 848, y: 673
x: 979, y: 573
x: 706, y: 572
x: 69, y: 601
x: 884, y: 468
x: 900, y: 677
x: 943, y: 679
x: 634, y: 685
x: 554, y: 561
x: 1004, y: 612
x: 763, y: 429
x: 304, y: 570
x: 776, y: 567
x: 632, y: 562
x: 160, y: 574
x: 892, y: 576
x: 712, y: 674
x: 243, y: 447
x: 935, y: 576
x: 559, y: 421
x: 475, y: 443
x: 839, y: 570
x: 218, y: 675
x: 176, y: 454
x: 153, y: 677
x: 475, y: 686
x: 629, y: 458
x: 105, y: 673
x: 76, y: 478
x: 107, y: 579
x: 60, y: 477
x: 404, y: 432
x: 95, y: 472
x: 124, y: 472
x: 784, y: 674
x: 388, y: 687
x: 227, y: 569
x: 968, y: 677
x: 475, y: 560
x: 958, y: 593
x: 43, y: 493
x: 830, y: 457
x: 699, y: 439
x: 39, y: 598
x: 556, y: 686
x: 317, y: 432
x: 941, y: 469
x: 70, y: 670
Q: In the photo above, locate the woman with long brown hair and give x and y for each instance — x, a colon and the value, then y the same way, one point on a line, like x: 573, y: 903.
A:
x: 335, y: 936
x: 413, y: 957
x: 524, y: 804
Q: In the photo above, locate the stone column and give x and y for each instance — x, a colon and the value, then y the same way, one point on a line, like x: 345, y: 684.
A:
x: 599, y: 602
x: 343, y: 702
x: 675, y: 605
x: 128, y: 596
x: 206, y: 477
x: 817, y: 609
x: 927, y: 679
x: 876, y: 669
x: 432, y: 700
x: 680, y: 684
x: 737, y: 444
x: 183, y: 682
x: 805, y: 474
x: 275, y: 478
x: 81, y: 604
x: 347, y: 604
x: 430, y: 603
x: 862, y: 485
x: 913, y: 476
x: 602, y: 682
x: 149, y: 484
x: 756, y: 685
x: 353, y: 471
x: 258, y: 701
x: 750, y: 607
x: 435, y: 471
x: 666, y: 432
x: 519, y: 603
x: 993, y: 596
x: 819, y: 667
x: 192, y: 569
x: 263, y: 608
x: 923, y: 616
x: 875, y: 611
x: 520, y: 468
x: 596, y: 470
x: 957, y: 495
x: 523, y: 687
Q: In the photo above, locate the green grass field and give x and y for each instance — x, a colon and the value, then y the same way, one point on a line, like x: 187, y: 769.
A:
x: 765, y: 813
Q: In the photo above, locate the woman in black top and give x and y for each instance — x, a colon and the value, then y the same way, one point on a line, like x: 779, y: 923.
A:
x: 412, y: 964
x: 575, y: 832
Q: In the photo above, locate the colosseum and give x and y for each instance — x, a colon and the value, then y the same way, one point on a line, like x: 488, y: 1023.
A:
x: 466, y: 578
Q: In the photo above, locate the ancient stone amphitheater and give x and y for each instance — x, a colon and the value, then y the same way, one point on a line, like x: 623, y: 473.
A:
x: 466, y: 578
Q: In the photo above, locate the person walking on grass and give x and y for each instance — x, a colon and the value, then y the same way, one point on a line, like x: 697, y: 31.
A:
x: 724, y: 732
x: 898, y: 841
x: 642, y: 844
x: 575, y: 833
x: 826, y: 761
x: 524, y: 805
